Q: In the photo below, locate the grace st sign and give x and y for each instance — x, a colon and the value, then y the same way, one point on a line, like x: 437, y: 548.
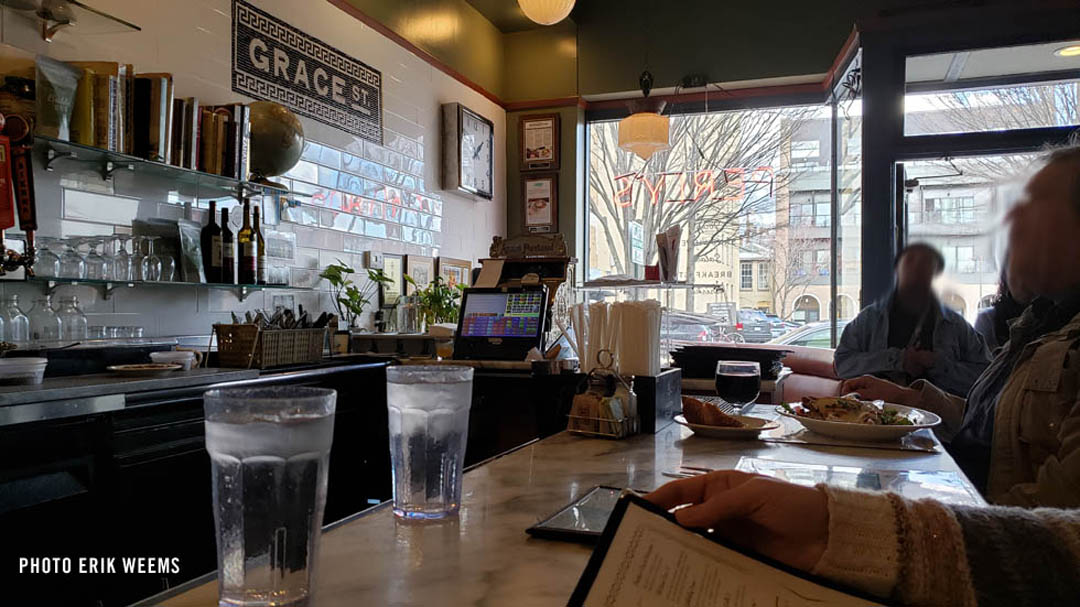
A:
x: 273, y: 61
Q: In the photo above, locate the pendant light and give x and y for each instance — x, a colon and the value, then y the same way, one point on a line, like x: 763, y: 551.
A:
x: 645, y: 131
x: 546, y: 12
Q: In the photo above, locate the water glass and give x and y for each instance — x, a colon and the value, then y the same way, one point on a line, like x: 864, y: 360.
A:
x: 97, y: 267
x: 72, y: 263
x: 150, y: 264
x: 738, y: 383
x: 46, y: 261
x: 16, y: 324
x: 269, y: 453
x: 428, y: 410
x: 121, y: 262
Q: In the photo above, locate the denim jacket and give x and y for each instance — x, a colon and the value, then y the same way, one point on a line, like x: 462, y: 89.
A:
x: 864, y: 349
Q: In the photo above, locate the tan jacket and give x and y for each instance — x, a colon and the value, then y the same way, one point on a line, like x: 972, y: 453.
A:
x: 1035, y: 458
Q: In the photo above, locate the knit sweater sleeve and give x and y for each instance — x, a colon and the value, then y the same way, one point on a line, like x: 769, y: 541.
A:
x: 923, y: 552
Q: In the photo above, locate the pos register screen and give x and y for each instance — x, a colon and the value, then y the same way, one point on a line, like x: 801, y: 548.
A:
x: 502, y: 314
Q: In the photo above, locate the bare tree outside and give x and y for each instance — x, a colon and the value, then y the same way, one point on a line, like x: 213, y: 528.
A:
x: 718, y: 181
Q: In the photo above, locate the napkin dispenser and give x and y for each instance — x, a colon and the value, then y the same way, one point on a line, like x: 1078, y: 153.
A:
x: 659, y: 399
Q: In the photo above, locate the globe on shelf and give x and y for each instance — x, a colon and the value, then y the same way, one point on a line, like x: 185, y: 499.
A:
x: 277, y: 140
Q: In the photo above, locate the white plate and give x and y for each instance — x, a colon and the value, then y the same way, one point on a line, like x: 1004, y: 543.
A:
x: 867, y: 432
x: 753, y: 427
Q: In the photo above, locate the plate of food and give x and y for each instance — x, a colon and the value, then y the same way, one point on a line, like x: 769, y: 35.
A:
x: 851, y: 418
x: 144, y: 369
x: 706, y: 419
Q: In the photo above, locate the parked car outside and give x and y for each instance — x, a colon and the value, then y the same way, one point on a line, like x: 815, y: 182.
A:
x: 753, y: 326
x: 687, y: 328
x: 815, y: 335
x: 776, y: 325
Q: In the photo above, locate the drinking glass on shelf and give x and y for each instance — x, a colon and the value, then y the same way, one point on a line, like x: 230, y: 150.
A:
x: 168, y: 267
x: 16, y: 324
x: 269, y: 456
x: 95, y: 332
x: 44, y: 323
x: 72, y: 263
x: 150, y: 266
x: 46, y: 261
x: 738, y: 383
x: 121, y: 260
x: 137, y: 332
x: 73, y: 324
x: 97, y: 267
x: 114, y: 332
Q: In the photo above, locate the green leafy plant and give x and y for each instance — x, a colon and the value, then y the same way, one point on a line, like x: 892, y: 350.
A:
x: 438, y: 300
x: 349, y: 299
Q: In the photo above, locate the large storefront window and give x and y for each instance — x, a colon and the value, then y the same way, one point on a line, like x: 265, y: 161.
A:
x: 751, y: 192
x: 958, y: 207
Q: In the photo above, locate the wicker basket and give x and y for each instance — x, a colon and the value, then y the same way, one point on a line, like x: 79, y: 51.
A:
x: 247, y: 346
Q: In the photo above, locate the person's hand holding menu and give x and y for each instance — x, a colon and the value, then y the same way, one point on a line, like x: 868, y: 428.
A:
x: 646, y: 558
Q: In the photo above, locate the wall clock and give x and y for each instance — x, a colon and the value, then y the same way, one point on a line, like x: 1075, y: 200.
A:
x: 468, y: 159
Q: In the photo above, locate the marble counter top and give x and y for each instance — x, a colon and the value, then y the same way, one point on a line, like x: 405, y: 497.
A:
x: 485, y: 558
x: 99, y: 384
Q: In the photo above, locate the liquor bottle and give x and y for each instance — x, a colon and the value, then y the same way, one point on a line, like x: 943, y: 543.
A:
x: 228, y: 251
x: 245, y: 242
x: 260, y: 250
x: 211, y: 246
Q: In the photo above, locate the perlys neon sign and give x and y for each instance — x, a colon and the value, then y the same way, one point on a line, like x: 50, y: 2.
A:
x: 685, y: 187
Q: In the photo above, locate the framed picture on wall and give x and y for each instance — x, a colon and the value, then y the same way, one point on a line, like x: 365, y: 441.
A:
x: 539, y: 142
x: 541, y: 210
x: 393, y: 266
x: 455, y: 271
x: 421, y: 269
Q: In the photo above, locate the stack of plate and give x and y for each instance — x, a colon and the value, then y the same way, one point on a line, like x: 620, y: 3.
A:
x: 700, y: 361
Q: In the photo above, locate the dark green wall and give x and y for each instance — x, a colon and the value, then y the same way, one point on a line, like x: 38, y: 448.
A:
x: 452, y: 31
x: 541, y: 63
x: 569, y: 119
x: 725, y: 41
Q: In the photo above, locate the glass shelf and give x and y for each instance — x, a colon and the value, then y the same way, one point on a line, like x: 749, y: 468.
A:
x: 603, y: 285
x: 85, y: 20
x: 51, y: 283
x: 187, y: 181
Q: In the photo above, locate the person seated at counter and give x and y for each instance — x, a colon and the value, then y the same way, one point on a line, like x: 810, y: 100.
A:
x: 1017, y: 434
x: 1009, y: 302
x: 909, y: 335
x: 910, y: 552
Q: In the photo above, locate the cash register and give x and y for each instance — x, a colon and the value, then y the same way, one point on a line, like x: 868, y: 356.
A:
x: 501, y: 323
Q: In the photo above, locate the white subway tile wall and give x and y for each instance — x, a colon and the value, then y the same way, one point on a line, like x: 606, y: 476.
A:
x: 360, y: 196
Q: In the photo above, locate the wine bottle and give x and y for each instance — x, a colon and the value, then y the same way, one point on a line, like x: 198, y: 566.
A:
x: 260, y: 250
x: 245, y: 242
x: 210, y: 239
x: 228, y: 250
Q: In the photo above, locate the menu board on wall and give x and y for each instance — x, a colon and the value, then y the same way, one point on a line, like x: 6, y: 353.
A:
x: 274, y: 61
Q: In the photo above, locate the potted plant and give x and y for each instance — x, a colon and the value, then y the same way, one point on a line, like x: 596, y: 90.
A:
x: 438, y: 301
x: 349, y: 299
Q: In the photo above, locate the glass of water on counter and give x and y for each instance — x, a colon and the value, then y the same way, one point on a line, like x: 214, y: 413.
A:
x: 269, y: 452
x: 429, y: 427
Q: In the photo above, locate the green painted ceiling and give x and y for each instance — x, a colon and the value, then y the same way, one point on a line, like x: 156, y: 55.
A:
x: 505, y: 14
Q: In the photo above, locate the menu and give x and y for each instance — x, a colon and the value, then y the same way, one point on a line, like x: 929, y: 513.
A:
x: 645, y: 558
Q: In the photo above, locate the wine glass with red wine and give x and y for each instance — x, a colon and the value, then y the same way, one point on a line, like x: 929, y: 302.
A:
x: 738, y: 383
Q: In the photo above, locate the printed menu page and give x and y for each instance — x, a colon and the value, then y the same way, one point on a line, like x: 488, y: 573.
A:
x: 653, y: 561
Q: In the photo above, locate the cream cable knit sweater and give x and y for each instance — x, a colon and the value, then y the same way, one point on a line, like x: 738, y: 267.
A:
x: 926, y: 553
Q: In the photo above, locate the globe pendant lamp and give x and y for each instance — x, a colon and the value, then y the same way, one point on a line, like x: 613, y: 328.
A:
x: 645, y: 131
x: 546, y: 12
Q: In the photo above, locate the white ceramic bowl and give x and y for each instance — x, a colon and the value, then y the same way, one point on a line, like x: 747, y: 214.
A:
x: 868, y: 432
x: 183, y: 358
x: 22, y: 370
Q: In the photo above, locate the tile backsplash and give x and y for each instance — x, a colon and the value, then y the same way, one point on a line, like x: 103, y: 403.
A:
x: 356, y: 196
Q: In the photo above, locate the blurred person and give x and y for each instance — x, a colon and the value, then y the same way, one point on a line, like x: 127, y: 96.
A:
x: 909, y: 335
x: 993, y: 322
x: 910, y: 552
x: 1017, y: 434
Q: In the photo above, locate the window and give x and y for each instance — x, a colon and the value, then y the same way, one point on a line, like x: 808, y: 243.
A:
x: 738, y: 201
x: 960, y: 259
x: 950, y: 211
